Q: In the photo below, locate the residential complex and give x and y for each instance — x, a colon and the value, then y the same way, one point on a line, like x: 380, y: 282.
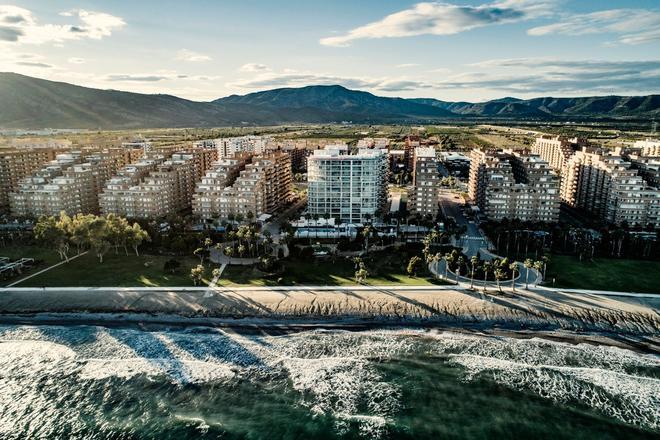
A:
x: 263, y: 187
x: 17, y: 164
x: 161, y: 188
x: 209, y: 193
x: 610, y: 188
x: 508, y: 184
x: 616, y: 186
x: 70, y: 183
x: 426, y: 182
x: 557, y: 150
x: 227, y: 147
x: 351, y: 187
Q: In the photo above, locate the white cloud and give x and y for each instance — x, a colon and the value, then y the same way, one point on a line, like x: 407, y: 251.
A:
x: 406, y: 65
x: 74, y: 60
x: 634, y: 26
x: 254, y: 67
x: 544, y: 76
x: 155, y: 77
x: 18, y: 25
x: 292, y: 78
x: 193, y: 57
x: 443, y: 19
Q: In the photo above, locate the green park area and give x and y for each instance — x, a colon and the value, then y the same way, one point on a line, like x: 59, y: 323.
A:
x: 604, y: 274
x: 149, y: 270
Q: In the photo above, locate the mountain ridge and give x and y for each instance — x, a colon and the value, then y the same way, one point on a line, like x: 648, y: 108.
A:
x: 29, y: 102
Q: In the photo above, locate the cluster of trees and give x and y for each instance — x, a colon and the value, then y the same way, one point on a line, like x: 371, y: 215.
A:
x: 534, y: 239
x: 99, y: 234
x: 245, y: 242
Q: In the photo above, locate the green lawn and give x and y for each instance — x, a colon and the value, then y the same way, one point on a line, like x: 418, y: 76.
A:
x: 604, y: 274
x: 116, y: 270
x: 385, y: 268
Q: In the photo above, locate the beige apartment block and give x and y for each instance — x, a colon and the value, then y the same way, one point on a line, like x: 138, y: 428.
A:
x: 206, y: 202
x: 508, y: 184
x: 17, y: 164
x: 263, y: 187
x: 166, y: 189
x: 70, y: 183
x: 610, y: 188
x: 426, y: 182
x: 557, y: 150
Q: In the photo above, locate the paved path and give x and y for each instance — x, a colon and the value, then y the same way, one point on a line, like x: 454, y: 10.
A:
x: 45, y: 270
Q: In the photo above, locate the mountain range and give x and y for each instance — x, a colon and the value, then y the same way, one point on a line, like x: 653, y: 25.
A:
x: 27, y: 102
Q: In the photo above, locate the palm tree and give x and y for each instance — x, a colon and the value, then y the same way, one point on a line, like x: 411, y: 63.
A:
x: 459, y: 265
x: 365, y: 233
x: 499, y: 275
x: 241, y: 250
x: 488, y: 267
x: 540, y: 265
x: 448, y: 259
x: 528, y: 265
x: 514, y: 270
x: 474, y: 260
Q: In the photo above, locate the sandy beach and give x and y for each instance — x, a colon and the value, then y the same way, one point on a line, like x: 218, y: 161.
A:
x: 362, y: 304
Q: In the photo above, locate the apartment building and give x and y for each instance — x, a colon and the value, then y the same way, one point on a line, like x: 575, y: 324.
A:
x: 410, y: 144
x: 165, y: 189
x: 609, y: 187
x: 648, y: 147
x: 206, y: 202
x: 17, y: 164
x: 263, y: 187
x: 557, y: 150
x: 70, y: 183
x: 426, y: 182
x: 228, y: 147
x: 351, y: 187
x: 508, y: 184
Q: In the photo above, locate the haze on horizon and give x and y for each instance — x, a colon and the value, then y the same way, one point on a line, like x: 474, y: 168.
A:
x: 454, y: 50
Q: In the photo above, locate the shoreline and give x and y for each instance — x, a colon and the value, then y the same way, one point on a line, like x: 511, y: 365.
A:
x: 628, y: 321
x: 274, y: 327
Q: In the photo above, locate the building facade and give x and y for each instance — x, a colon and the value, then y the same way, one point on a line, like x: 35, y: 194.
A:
x: 206, y: 202
x: 351, y: 187
x: 426, y: 183
x: 263, y: 187
x: 17, y: 164
x: 514, y: 185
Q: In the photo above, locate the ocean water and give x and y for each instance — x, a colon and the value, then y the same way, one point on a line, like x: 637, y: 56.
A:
x: 86, y: 382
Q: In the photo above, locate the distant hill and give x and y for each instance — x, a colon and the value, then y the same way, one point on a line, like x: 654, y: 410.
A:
x: 594, y: 107
x: 27, y: 102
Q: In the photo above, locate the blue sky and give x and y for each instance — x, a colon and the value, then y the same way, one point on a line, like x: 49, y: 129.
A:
x: 454, y: 50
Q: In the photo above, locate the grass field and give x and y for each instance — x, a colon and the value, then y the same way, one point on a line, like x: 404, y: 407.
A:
x: 116, y: 270
x: 385, y: 268
x: 604, y: 274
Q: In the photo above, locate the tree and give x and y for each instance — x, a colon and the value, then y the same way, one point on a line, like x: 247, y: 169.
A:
x: 413, y: 265
x: 241, y: 250
x: 361, y: 274
x: 135, y: 236
x: 514, y: 271
x: 499, y: 275
x: 228, y: 251
x: 199, y: 252
x: 216, y: 273
x: 196, y: 274
x: 208, y: 243
x: 448, y: 257
x: 474, y: 261
x: 50, y: 232
x: 459, y: 266
x: 98, y: 237
x: 540, y: 265
x: 366, y: 232
x: 488, y: 267
x: 528, y: 265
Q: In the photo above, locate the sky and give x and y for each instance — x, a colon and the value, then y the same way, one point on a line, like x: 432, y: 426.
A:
x: 454, y: 50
